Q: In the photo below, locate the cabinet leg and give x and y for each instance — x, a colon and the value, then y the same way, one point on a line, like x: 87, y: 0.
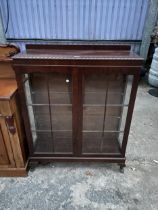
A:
x: 32, y: 165
x: 122, y: 166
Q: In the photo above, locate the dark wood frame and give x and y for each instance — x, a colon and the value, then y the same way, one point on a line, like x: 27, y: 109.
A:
x: 77, y: 69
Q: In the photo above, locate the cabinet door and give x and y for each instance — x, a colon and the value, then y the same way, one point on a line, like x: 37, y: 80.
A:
x: 49, y: 106
x: 6, y: 156
x: 3, y: 152
x: 104, y: 103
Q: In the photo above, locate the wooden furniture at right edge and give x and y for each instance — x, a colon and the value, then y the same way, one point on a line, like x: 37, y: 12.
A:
x: 77, y: 100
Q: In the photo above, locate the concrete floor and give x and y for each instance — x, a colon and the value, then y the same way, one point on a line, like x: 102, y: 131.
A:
x: 92, y: 186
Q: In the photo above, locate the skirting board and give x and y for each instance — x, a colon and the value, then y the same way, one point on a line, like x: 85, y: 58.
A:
x: 14, y: 172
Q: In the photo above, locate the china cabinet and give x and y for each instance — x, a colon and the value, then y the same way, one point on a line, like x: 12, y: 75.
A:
x: 77, y: 100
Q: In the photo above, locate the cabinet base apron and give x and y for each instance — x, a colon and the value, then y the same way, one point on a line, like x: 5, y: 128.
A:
x: 34, y: 161
x: 14, y: 172
x: 79, y: 159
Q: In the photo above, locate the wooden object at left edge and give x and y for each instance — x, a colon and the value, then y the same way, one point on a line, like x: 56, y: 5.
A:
x: 13, y: 148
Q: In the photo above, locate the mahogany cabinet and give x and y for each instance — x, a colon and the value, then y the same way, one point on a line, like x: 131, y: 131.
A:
x: 12, y: 139
x: 77, y: 100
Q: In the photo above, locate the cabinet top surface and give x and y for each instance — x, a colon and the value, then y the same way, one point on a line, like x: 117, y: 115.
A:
x: 78, y: 54
x: 7, y: 88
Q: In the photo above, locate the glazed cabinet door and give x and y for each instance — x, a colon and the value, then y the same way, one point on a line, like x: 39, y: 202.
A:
x: 105, y: 103
x: 49, y: 106
x: 6, y: 155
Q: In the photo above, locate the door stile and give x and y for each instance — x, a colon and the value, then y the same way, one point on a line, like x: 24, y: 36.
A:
x: 77, y: 111
x: 130, y: 110
x: 21, y: 91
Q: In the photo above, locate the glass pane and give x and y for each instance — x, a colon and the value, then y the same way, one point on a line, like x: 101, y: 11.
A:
x: 41, y: 117
x: 56, y: 142
x: 49, y: 102
x: 106, y: 99
x: 115, y: 98
x: 120, y: 139
x: 123, y: 118
x: 63, y: 142
x: 93, y: 118
x: 100, y: 142
x: 61, y: 117
x: 43, y: 141
x: 59, y: 86
x: 39, y: 88
x: 97, y: 84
